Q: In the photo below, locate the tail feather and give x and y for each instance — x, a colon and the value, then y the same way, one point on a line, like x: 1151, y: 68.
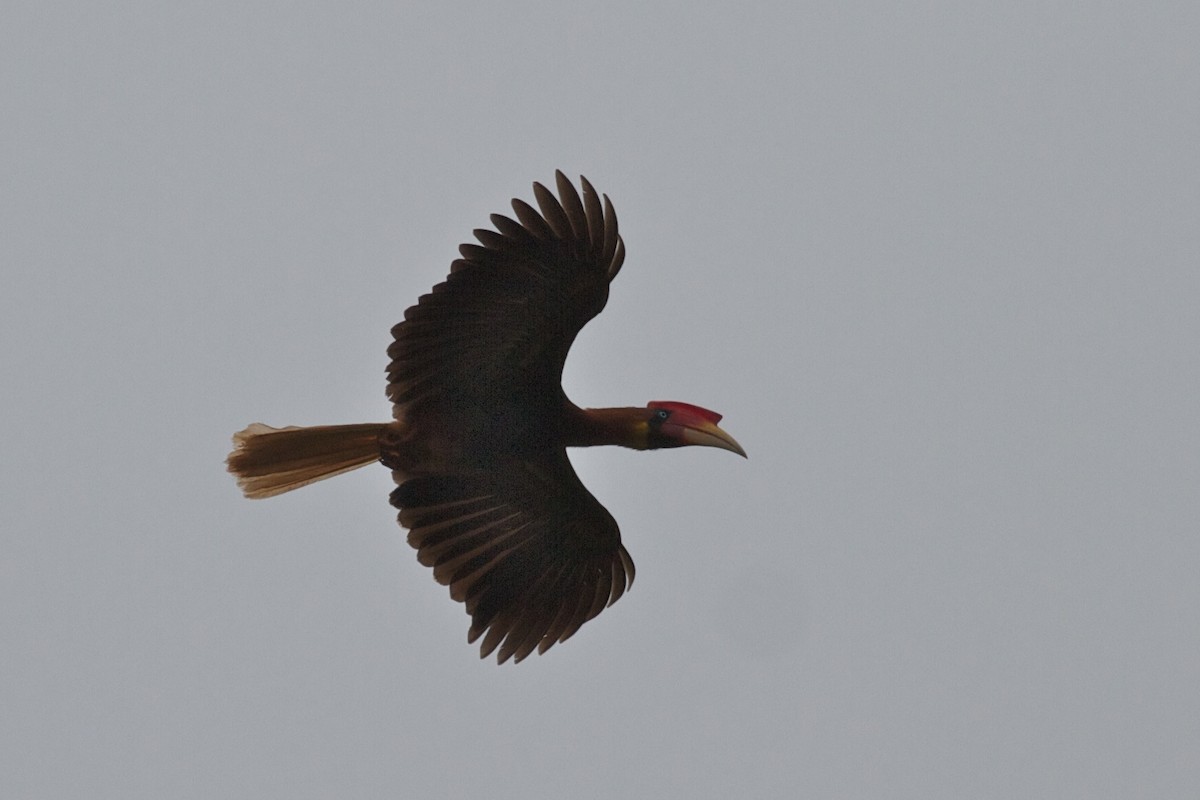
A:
x: 268, y: 461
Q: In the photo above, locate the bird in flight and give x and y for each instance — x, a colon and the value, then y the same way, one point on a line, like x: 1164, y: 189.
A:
x: 481, y: 425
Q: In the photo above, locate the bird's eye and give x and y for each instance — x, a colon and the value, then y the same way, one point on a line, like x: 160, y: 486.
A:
x: 662, y: 413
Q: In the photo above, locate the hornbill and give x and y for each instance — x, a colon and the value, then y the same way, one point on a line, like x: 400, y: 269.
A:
x: 481, y: 425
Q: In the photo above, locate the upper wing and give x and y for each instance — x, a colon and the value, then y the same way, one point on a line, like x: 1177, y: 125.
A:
x: 501, y: 324
x: 527, y: 548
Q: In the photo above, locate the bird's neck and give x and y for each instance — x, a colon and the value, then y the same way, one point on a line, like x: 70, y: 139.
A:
x: 588, y: 427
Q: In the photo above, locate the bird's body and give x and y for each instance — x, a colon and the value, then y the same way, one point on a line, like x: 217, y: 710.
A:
x: 481, y: 425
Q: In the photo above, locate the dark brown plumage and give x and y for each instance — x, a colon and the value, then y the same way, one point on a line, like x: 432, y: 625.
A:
x: 478, y: 445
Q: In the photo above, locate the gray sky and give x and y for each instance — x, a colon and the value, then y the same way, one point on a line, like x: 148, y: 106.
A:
x: 938, y: 265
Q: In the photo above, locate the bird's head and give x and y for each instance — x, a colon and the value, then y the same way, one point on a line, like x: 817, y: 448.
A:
x: 672, y: 424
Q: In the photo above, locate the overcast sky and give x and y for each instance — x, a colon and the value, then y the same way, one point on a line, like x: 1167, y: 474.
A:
x: 938, y: 264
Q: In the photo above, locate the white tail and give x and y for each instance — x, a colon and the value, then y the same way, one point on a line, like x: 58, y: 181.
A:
x: 269, y: 461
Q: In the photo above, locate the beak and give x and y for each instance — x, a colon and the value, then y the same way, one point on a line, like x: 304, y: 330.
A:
x: 705, y: 434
